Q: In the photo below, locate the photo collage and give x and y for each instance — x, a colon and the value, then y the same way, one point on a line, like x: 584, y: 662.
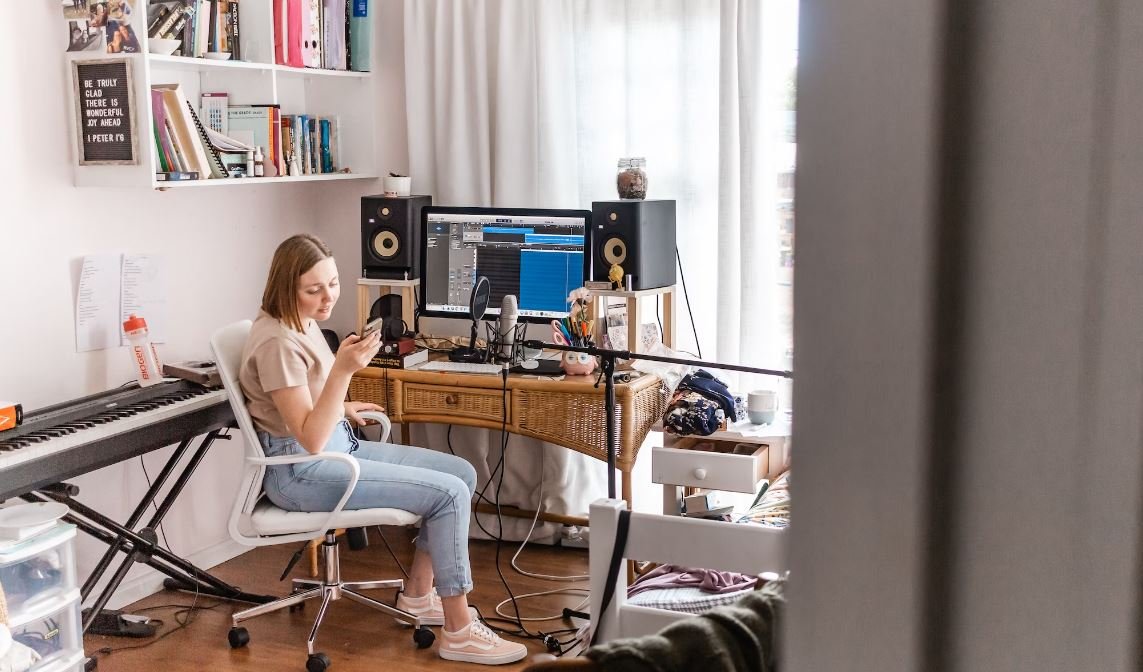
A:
x: 100, y: 26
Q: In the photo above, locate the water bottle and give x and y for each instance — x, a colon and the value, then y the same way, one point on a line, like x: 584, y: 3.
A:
x: 143, y: 356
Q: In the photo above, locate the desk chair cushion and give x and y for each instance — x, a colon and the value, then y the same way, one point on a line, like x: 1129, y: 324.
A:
x: 267, y: 519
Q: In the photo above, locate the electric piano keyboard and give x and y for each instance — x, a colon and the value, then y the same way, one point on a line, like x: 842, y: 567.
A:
x: 75, y: 437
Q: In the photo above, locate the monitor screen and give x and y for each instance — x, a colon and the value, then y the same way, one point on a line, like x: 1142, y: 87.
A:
x: 535, y: 254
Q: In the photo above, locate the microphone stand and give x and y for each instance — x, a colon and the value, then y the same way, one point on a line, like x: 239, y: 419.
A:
x: 607, y: 366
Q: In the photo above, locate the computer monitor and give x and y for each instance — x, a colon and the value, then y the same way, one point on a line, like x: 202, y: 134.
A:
x: 538, y: 255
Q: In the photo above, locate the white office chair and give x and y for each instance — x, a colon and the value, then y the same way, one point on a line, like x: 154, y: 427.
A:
x: 255, y: 521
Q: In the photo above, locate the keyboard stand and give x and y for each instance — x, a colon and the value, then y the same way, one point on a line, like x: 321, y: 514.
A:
x: 142, y: 545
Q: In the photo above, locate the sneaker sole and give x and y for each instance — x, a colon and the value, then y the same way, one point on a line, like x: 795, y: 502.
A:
x: 482, y: 659
x: 434, y: 621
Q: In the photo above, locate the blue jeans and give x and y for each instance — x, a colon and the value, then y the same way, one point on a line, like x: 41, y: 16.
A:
x: 435, y: 486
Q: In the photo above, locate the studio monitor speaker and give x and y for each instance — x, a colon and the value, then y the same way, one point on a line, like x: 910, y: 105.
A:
x: 638, y: 236
x: 390, y: 236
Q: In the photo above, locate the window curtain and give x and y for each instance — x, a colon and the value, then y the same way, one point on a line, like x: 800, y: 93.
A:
x: 513, y: 103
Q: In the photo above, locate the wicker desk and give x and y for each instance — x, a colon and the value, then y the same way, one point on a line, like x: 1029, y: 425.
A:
x: 566, y: 412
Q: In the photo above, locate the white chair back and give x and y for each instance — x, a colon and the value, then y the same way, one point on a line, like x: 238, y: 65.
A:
x: 227, y: 344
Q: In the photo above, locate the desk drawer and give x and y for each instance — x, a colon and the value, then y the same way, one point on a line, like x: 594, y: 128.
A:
x: 444, y: 400
x: 708, y: 469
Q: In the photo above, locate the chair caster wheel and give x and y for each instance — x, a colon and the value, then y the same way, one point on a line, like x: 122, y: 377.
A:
x: 317, y: 662
x: 238, y: 638
x: 423, y: 637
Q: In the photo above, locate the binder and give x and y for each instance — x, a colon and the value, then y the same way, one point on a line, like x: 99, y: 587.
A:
x: 295, y: 21
x: 361, y: 36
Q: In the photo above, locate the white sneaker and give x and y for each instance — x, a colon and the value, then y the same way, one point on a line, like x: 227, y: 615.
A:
x: 476, y: 643
x: 427, y: 608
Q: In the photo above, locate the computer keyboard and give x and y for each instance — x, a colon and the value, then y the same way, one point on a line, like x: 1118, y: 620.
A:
x: 461, y: 367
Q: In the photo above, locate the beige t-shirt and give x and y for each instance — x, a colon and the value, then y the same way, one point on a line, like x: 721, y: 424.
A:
x: 277, y: 357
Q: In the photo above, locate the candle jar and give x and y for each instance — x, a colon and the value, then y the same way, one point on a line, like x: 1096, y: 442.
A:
x: 631, y: 179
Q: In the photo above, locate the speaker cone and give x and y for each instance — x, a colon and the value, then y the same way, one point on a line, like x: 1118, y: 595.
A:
x: 614, y: 250
x: 386, y: 244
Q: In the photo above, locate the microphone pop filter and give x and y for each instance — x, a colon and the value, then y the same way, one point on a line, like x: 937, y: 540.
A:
x: 478, y: 302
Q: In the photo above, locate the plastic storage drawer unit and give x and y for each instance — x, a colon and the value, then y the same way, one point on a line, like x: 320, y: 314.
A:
x: 37, y: 569
x: 39, y: 603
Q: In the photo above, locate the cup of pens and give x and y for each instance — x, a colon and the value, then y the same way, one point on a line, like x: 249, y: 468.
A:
x: 575, y: 330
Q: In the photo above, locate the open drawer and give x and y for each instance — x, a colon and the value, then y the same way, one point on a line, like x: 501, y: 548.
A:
x: 709, y: 469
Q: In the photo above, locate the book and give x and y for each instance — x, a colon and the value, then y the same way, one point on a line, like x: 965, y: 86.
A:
x: 159, y: 14
x: 185, y: 134
x: 233, y: 32
x: 176, y: 176
x: 406, y: 361
x: 253, y: 125
x: 361, y: 36
x: 167, y: 160
x: 333, y: 24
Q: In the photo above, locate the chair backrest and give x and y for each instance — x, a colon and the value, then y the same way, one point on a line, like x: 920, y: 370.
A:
x: 227, y: 344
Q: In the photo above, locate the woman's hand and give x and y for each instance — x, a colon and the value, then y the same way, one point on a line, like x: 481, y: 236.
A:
x: 354, y: 352
x: 353, y: 407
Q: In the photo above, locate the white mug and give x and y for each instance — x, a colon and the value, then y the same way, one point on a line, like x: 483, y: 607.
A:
x: 762, y: 406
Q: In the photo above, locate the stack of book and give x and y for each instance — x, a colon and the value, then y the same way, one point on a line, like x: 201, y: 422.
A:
x: 185, y: 148
x: 329, y: 34
x: 201, y: 26
x: 231, y: 138
x: 397, y: 361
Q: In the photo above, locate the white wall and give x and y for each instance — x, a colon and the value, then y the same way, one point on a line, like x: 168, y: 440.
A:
x: 216, y: 242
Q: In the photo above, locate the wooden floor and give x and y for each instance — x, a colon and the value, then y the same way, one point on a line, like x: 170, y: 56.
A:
x: 355, y: 637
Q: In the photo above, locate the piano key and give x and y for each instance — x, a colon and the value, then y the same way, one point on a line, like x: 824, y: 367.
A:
x: 19, y: 450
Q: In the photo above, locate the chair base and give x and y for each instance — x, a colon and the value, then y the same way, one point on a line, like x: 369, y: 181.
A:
x: 330, y: 588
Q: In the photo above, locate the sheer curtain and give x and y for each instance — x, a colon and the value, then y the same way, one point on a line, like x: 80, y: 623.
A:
x: 531, y: 104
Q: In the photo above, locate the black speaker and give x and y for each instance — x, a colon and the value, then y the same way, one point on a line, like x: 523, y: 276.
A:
x: 639, y: 236
x: 390, y: 236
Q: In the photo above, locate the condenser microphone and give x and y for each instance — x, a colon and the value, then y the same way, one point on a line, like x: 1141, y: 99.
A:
x: 507, y: 328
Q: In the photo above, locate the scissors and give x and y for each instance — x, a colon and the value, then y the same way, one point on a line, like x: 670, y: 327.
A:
x: 559, y: 334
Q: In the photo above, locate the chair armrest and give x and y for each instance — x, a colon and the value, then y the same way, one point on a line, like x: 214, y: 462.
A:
x: 382, y: 419
x: 349, y: 460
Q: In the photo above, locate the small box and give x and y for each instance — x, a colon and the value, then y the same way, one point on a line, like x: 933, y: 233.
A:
x: 204, y: 373
x: 11, y: 414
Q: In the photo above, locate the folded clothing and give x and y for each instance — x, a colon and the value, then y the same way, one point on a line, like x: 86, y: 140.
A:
x: 700, y: 404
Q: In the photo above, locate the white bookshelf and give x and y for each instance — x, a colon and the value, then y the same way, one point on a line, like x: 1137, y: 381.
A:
x: 255, y: 80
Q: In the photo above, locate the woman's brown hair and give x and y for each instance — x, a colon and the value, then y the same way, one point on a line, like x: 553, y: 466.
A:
x: 293, y: 258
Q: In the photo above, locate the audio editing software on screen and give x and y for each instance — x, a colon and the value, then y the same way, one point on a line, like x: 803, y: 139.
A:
x: 539, y: 259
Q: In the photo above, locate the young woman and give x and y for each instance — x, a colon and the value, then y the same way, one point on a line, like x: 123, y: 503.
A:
x: 296, y: 388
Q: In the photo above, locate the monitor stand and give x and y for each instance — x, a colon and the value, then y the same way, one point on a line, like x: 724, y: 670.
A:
x: 470, y: 353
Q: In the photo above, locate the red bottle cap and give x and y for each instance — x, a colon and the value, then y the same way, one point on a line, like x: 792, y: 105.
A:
x: 133, y: 322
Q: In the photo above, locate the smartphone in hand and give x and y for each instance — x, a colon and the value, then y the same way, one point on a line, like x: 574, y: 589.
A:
x: 371, y: 327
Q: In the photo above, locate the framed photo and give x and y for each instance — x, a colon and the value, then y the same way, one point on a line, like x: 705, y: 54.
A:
x: 104, y: 92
